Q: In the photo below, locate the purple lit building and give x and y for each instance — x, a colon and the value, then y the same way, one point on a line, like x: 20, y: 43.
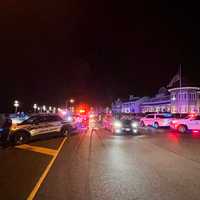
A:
x: 185, y: 100
x: 175, y: 100
x: 133, y: 105
x: 159, y: 103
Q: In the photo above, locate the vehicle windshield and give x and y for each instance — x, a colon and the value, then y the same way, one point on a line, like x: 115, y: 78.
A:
x: 164, y: 116
x: 127, y: 121
x: 30, y: 120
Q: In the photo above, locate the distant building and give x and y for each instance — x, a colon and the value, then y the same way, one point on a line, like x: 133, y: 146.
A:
x: 175, y: 100
x: 160, y: 103
x: 185, y: 100
x: 129, y: 106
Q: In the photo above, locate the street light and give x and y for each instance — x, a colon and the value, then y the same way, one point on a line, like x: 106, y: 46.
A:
x: 38, y: 109
x: 44, y: 108
x: 71, y: 101
x: 54, y: 109
x: 50, y: 108
x: 16, y: 105
x: 71, y: 108
x: 35, y: 107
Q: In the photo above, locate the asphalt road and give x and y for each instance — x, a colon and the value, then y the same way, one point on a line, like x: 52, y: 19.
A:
x: 156, y: 165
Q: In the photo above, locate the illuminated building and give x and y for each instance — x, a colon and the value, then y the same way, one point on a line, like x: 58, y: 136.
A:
x: 175, y: 100
x: 185, y: 100
x: 133, y: 105
x: 160, y: 103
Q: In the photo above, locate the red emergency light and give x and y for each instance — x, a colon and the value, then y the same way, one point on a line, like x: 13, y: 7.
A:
x: 82, y: 111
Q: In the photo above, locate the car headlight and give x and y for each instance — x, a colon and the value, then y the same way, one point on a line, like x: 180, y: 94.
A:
x: 134, y: 124
x: 69, y: 119
x: 118, y: 124
x: 13, y: 128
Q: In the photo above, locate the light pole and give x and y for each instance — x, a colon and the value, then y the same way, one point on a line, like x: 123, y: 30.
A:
x: 71, y: 108
x: 50, y: 108
x: 54, y: 109
x: 38, y: 108
x: 16, y: 105
x: 35, y: 107
x: 44, y: 108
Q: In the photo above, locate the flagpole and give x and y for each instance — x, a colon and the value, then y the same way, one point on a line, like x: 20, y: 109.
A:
x: 180, y: 77
x: 180, y: 70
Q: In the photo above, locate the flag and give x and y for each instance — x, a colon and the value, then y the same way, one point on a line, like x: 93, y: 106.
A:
x: 174, y: 80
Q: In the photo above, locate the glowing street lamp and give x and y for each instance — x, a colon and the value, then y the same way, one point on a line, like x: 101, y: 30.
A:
x: 38, y: 108
x: 16, y: 105
x: 44, y: 108
x: 35, y: 107
x: 50, y: 108
x: 71, y: 101
x: 54, y: 109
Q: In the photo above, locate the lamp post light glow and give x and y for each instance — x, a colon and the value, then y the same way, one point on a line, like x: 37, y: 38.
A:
x: 16, y: 105
x: 50, y: 108
x: 44, y: 108
x: 38, y: 108
x: 71, y: 101
x: 54, y: 109
x: 35, y: 107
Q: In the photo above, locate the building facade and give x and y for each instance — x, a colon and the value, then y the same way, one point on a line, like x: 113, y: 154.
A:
x: 174, y: 100
x: 132, y: 105
x: 185, y: 100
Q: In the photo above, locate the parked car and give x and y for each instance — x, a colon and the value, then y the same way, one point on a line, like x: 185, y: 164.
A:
x: 190, y: 123
x: 157, y: 120
x: 39, y: 124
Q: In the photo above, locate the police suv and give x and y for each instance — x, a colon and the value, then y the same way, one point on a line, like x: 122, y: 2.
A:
x: 39, y: 124
x: 189, y: 123
x: 157, y: 120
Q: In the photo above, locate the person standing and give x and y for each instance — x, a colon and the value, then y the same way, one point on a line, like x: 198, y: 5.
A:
x: 5, y: 125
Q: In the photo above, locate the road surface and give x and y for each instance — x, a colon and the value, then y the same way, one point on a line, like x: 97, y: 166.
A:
x: 156, y: 165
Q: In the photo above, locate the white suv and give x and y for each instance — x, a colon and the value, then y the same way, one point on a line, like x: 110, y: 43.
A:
x: 157, y: 120
x: 191, y: 123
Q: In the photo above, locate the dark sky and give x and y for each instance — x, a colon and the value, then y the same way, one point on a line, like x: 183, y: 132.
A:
x: 94, y: 51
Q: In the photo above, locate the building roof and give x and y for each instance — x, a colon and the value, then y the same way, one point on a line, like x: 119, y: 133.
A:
x: 184, y: 88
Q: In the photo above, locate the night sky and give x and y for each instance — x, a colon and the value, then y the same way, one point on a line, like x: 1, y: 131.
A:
x: 94, y: 51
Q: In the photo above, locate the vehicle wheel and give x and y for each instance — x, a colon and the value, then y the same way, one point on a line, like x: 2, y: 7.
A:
x: 142, y: 124
x: 182, y: 129
x: 156, y: 125
x: 21, y: 138
x: 65, y: 132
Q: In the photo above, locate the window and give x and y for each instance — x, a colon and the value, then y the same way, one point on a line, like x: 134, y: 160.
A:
x: 164, y: 116
x: 197, y: 118
x: 32, y: 120
x: 53, y: 118
x: 150, y: 116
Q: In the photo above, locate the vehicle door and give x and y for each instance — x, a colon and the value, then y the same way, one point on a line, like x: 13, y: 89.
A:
x: 38, y: 126
x: 149, y: 119
x: 162, y: 120
x: 194, y: 123
x: 54, y: 123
